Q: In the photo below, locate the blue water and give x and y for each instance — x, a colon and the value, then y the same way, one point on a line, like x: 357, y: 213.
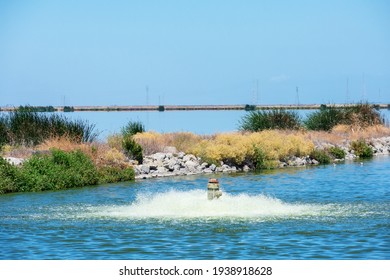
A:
x: 325, y: 212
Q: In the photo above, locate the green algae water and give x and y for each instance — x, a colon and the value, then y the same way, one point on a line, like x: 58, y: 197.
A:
x: 325, y: 212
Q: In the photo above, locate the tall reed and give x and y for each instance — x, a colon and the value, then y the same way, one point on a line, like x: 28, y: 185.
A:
x: 30, y: 128
x: 270, y: 119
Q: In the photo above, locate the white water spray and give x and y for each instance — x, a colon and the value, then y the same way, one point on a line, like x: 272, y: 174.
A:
x: 194, y: 204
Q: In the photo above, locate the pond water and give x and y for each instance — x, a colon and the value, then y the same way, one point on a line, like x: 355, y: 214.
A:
x: 325, y: 212
x: 199, y: 122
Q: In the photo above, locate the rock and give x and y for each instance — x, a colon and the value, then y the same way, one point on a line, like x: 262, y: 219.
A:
x: 191, y: 165
x: 226, y: 168
x: 299, y: 162
x: 315, y: 162
x: 161, y: 169
x: 176, y: 167
x: 213, y: 167
x: 189, y: 158
x: 158, y: 156
x: 246, y: 168
x: 137, y: 170
x: 153, y: 167
x: 218, y: 169
x: 180, y: 155
x: 14, y: 160
x: 145, y: 169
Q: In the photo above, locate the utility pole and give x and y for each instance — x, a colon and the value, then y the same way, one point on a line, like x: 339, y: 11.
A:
x: 364, y: 88
x: 347, y: 92
x: 147, y: 95
x: 297, y: 96
x: 255, y: 93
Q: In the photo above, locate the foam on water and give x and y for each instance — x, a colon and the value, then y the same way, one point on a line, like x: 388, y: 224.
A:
x: 194, y: 204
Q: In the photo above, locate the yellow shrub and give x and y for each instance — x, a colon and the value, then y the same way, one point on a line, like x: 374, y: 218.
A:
x: 150, y: 141
x: 113, y: 156
x: 238, y: 147
x: 115, y: 141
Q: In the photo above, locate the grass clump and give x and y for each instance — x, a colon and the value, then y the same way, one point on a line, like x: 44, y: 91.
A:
x: 132, y: 128
x: 360, y: 116
x: 9, y: 177
x: 270, y: 119
x: 337, y: 152
x: 132, y: 149
x: 3, y: 134
x: 363, y: 115
x: 321, y: 156
x: 324, y: 119
x: 28, y: 127
x: 126, y: 142
x: 361, y: 149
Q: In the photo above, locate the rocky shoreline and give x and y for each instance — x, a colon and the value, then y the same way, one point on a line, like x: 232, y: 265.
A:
x: 176, y: 164
x: 181, y: 164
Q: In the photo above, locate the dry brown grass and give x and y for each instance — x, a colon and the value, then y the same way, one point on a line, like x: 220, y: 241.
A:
x: 100, y: 153
x: 341, y: 133
x: 153, y: 142
x: 354, y: 133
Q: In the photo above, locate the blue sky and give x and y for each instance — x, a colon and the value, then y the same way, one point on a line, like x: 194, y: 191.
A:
x: 193, y: 52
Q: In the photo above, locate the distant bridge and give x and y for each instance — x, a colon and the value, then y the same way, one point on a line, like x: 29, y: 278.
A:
x: 246, y: 107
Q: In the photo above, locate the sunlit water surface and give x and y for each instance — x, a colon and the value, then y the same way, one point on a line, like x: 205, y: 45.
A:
x: 325, y: 212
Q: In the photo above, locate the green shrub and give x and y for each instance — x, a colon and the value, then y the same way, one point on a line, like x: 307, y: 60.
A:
x: 361, y: 149
x: 337, y: 152
x: 324, y: 119
x: 132, y: 149
x: 110, y: 174
x: 259, y: 158
x: 133, y: 128
x: 58, y: 170
x: 9, y: 177
x: 3, y: 131
x: 321, y: 156
x: 270, y: 119
x: 360, y: 115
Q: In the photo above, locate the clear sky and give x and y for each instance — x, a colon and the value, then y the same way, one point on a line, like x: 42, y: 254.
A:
x: 118, y: 52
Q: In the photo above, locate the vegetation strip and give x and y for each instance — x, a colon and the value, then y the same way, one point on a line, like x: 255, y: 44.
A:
x: 44, y: 151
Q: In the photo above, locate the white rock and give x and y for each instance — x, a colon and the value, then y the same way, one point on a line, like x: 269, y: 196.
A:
x: 14, y: 160
x: 158, y: 156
